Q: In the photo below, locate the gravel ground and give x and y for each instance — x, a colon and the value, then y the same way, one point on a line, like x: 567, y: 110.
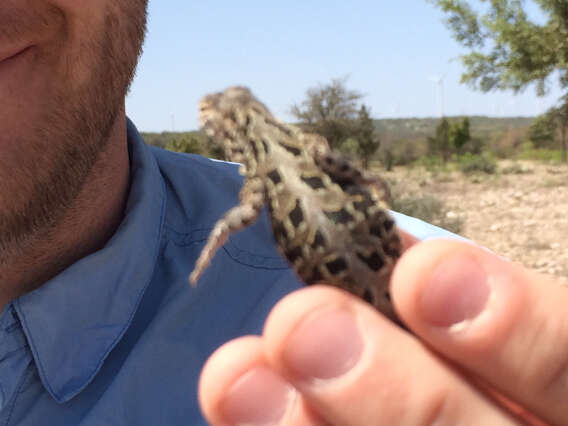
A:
x: 520, y: 212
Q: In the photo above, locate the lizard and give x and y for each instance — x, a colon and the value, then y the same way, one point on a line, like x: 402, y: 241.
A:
x: 329, y: 218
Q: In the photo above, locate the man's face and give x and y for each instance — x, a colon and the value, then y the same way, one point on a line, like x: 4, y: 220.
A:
x: 65, y: 66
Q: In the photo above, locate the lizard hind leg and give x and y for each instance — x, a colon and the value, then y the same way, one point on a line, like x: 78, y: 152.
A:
x: 237, y: 218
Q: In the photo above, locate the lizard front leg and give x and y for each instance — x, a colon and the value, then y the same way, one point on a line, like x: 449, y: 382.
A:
x: 244, y: 214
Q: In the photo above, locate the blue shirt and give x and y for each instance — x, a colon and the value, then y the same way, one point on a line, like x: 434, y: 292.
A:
x: 119, y: 337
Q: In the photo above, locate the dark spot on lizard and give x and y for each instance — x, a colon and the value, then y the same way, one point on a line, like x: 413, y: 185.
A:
x: 341, y: 216
x: 248, y: 221
x: 319, y: 240
x: 363, y: 206
x: 296, y: 215
x: 314, y: 182
x: 293, y: 253
x: 252, y: 143
x: 274, y: 176
x: 374, y: 261
x: 377, y: 230
x: 336, y: 266
x: 292, y: 149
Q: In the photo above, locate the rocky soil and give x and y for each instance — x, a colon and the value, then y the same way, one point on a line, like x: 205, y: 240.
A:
x: 521, y: 212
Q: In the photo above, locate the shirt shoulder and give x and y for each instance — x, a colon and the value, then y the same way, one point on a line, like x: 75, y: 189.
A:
x: 199, y: 191
x: 197, y: 187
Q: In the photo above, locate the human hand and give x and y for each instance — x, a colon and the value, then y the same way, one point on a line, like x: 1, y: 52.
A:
x: 490, y: 338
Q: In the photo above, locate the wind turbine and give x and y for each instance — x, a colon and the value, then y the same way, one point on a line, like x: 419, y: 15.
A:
x: 439, y: 80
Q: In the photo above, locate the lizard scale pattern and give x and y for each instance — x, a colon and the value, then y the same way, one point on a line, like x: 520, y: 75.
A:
x: 329, y: 218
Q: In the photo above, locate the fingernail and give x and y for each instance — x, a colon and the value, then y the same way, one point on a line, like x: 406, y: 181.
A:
x: 457, y: 291
x: 324, y: 346
x: 259, y: 397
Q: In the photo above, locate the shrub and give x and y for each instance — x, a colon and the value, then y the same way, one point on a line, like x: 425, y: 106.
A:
x: 406, y: 152
x: 195, y: 143
x: 188, y: 145
x: 508, y: 143
x: 473, y: 163
x: 541, y: 154
x: 386, y: 157
x: 350, y: 146
x: 432, y: 163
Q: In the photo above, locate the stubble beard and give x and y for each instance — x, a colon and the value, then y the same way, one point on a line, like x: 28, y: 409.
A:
x: 74, y: 129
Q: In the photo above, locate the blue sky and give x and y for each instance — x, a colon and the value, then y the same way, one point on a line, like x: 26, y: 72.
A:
x: 392, y: 50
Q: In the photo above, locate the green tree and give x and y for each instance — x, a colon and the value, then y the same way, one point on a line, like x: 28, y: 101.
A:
x: 386, y: 151
x: 440, y: 143
x: 459, y: 134
x: 329, y: 110
x: 368, y: 141
x: 387, y: 158
x: 551, y: 128
x: 507, y: 49
x: 560, y: 116
x: 542, y: 131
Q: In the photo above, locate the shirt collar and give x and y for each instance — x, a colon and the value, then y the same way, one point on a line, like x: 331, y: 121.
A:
x: 74, y: 320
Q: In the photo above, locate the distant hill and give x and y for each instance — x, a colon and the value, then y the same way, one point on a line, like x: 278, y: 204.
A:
x: 396, y: 128
x: 419, y: 128
x: 411, y: 132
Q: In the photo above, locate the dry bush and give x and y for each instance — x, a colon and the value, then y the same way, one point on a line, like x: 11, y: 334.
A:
x: 507, y: 144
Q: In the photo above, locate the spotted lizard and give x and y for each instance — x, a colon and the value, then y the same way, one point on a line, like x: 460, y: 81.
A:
x: 329, y: 218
